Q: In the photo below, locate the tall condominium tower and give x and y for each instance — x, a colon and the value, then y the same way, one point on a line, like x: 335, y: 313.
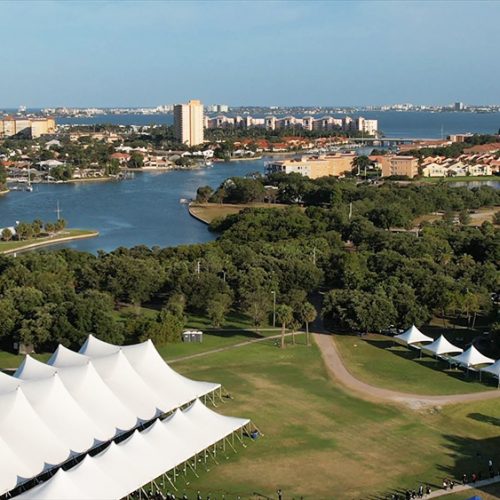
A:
x: 188, y: 122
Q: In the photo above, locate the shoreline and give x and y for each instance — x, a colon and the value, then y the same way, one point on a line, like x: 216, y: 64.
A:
x: 62, y: 239
x: 195, y: 216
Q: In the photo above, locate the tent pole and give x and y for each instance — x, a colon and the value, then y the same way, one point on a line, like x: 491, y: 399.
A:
x: 193, y: 469
x: 240, y: 440
x: 229, y: 443
x: 258, y: 430
x: 171, y: 483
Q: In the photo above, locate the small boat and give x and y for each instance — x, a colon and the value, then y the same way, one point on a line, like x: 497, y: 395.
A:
x: 184, y: 201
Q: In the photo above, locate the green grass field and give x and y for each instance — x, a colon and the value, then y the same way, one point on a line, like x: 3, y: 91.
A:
x: 322, y: 443
x: 379, y: 361
x: 67, y: 234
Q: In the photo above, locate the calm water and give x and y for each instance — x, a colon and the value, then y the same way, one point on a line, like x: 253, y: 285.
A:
x: 145, y: 210
x: 391, y: 123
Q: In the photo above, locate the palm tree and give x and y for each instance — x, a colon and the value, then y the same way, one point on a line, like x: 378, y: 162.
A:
x: 308, y: 315
x: 284, y: 315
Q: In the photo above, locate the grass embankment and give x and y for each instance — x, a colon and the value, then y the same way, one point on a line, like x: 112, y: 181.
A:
x: 322, y: 443
x: 379, y: 361
x: 207, y: 212
x: 63, y: 236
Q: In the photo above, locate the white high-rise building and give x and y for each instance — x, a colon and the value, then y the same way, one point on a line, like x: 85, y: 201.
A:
x: 188, y: 123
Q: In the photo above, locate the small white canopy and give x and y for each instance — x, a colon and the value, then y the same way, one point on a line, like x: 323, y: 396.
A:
x: 413, y: 336
x: 441, y: 346
x: 472, y: 357
x: 493, y: 369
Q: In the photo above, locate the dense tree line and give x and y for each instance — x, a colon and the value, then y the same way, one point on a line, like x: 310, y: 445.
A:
x: 336, y: 245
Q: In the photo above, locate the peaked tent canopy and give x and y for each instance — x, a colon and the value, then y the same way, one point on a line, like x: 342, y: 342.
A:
x: 123, y: 468
x: 413, y: 336
x: 472, y: 357
x: 493, y: 369
x: 173, y: 389
x: 441, y: 346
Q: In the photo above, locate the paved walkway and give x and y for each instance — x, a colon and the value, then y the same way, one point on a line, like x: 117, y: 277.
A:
x: 232, y: 346
x: 337, y: 369
x: 458, y: 488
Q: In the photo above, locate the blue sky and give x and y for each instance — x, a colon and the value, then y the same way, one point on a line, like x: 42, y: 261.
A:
x: 119, y: 53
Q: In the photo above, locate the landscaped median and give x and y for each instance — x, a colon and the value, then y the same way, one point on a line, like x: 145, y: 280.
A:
x: 8, y: 247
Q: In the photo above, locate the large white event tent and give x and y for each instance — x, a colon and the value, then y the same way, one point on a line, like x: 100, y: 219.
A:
x: 413, y: 336
x: 493, y: 369
x: 123, y: 468
x: 56, y: 413
x: 441, y: 346
x: 472, y: 357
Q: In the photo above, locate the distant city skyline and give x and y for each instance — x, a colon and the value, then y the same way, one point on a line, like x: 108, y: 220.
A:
x: 134, y: 54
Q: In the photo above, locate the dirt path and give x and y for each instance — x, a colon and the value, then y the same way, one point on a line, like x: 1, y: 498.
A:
x: 228, y: 347
x: 337, y: 369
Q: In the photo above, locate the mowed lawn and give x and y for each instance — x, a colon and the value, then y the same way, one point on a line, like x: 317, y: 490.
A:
x: 211, y: 211
x: 377, y: 360
x: 8, y: 246
x: 322, y: 443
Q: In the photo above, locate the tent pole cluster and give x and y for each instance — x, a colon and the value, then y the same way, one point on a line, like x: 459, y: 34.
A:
x: 105, y: 422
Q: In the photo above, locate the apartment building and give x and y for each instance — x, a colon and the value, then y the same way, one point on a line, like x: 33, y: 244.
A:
x: 28, y: 127
x: 347, y: 124
x: 188, y: 123
x: 399, y: 165
x: 315, y: 166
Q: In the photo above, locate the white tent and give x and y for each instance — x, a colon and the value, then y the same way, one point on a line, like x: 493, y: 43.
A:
x: 413, y: 336
x: 58, y: 487
x: 62, y: 414
x: 94, y: 347
x: 128, y: 386
x: 159, y: 376
x: 441, y: 346
x: 123, y: 468
x: 64, y: 357
x: 50, y: 413
x: 173, y: 389
x: 493, y: 369
x: 32, y: 445
x: 472, y: 357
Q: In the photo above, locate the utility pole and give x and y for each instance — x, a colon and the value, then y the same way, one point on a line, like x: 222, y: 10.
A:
x: 274, y: 308
x: 198, y: 268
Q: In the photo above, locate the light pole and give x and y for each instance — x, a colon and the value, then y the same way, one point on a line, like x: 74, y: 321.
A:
x: 274, y: 308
